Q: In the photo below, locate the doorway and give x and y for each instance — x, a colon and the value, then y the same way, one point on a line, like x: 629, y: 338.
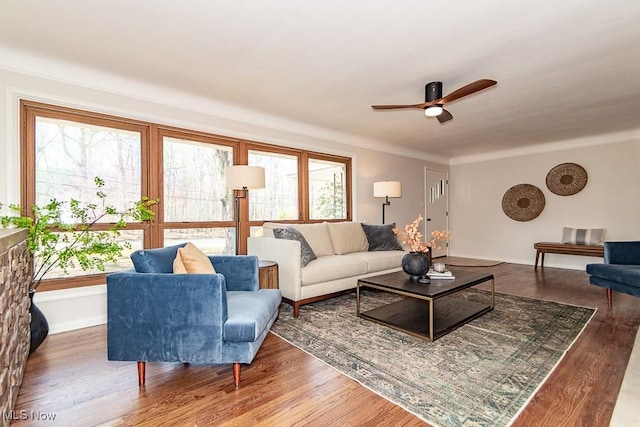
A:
x: 436, y: 205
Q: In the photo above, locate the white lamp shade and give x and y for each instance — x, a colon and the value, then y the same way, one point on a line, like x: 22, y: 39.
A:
x: 387, y: 189
x: 238, y: 177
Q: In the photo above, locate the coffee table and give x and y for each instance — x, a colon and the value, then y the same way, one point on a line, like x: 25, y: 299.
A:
x: 428, y: 310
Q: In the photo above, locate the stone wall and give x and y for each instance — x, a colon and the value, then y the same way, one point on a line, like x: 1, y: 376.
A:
x: 15, y: 276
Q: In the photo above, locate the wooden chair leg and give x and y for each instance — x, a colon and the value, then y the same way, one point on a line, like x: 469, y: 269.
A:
x: 236, y: 374
x: 537, y: 256
x: 296, y: 309
x: 609, y: 297
x: 141, y: 373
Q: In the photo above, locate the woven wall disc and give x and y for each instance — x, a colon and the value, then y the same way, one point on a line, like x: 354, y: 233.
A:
x: 566, y: 179
x: 523, y: 202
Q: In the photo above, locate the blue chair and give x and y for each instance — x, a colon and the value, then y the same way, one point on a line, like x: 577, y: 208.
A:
x: 620, y: 271
x: 157, y: 316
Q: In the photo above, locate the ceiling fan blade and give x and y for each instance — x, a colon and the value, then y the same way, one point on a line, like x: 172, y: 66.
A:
x: 445, y: 116
x: 474, y: 87
x: 388, y: 107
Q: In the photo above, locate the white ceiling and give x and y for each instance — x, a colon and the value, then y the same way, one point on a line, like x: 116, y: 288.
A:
x: 565, y: 69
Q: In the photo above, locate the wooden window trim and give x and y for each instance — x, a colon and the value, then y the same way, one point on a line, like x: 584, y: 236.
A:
x: 151, y: 135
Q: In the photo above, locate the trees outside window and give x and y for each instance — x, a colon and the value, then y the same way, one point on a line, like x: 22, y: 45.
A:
x: 63, y: 149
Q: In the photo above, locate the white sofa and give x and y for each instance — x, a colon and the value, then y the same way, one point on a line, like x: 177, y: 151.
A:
x: 343, y: 256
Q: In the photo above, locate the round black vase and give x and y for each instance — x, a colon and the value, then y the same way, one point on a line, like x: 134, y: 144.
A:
x: 39, y: 325
x: 415, y: 264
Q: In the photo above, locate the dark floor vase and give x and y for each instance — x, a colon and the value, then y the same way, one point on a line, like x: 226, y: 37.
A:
x: 39, y: 325
x: 415, y: 264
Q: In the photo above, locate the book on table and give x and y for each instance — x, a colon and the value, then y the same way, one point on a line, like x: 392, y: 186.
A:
x: 432, y: 274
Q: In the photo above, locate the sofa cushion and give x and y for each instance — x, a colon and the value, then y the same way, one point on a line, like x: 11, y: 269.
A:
x: 249, y: 313
x: 382, y: 237
x: 158, y: 260
x: 306, y: 253
x: 191, y: 260
x: 347, y: 237
x: 332, y: 267
x: 318, y: 237
x: 381, y: 260
x: 583, y: 236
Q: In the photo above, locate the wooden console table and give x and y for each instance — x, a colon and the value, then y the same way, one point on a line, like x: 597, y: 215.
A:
x: 268, y: 276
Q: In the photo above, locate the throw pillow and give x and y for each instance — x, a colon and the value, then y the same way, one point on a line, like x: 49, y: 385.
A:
x: 317, y: 236
x: 268, y: 227
x: 191, y: 260
x: 347, y: 237
x: 306, y: 253
x: 381, y: 237
x: 583, y: 236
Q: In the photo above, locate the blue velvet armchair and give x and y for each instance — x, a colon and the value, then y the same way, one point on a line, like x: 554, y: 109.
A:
x: 620, y: 271
x: 157, y: 316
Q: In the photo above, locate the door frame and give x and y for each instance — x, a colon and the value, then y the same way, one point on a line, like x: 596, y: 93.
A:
x: 426, y: 201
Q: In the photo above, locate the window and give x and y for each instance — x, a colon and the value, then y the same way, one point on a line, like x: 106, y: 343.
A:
x: 279, y: 199
x: 194, y: 181
x: 64, y: 149
x: 327, y: 189
x: 196, y: 202
x: 66, y: 153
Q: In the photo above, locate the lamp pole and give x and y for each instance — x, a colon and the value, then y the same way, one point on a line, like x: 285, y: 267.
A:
x: 385, y: 203
x: 238, y: 197
x: 242, y: 178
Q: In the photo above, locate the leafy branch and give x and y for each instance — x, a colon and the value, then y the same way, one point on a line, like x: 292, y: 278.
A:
x: 80, y: 242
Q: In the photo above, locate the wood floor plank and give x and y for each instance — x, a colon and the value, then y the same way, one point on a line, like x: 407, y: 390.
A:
x: 70, y: 376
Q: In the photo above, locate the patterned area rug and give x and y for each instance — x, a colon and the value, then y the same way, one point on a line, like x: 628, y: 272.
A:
x: 481, y: 374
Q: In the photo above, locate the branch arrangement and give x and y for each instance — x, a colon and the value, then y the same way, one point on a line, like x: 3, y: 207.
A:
x: 78, y: 243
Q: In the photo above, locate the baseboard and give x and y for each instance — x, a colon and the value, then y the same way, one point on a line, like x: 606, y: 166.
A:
x: 70, y: 309
x: 72, y: 325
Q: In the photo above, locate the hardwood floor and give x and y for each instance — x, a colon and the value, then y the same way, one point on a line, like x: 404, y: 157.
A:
x: 69, y: 376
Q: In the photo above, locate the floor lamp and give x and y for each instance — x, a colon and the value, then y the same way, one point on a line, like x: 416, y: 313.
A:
x: 387, y: 189
x: 242, y: 177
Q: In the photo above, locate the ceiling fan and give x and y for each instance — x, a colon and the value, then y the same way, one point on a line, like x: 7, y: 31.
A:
x: 434, y: 101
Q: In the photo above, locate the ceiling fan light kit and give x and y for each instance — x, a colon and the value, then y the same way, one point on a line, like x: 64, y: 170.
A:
x: 434, y: 101
x: 434, y: 110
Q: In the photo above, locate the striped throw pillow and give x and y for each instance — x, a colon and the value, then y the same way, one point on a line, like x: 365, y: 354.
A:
x: 583, y: 236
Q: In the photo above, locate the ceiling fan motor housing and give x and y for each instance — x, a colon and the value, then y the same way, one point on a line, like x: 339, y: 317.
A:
x: 432, y: 91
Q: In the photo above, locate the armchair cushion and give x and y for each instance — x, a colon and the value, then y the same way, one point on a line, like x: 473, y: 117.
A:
x: 191, y: 260
x: 629, y: 274
x: 155, y: 260
x: 249, y: 314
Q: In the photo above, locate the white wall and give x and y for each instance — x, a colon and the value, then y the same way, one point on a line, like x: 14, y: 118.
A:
x: 76, y: 308
x: 611, y: 200
x: 479, y: 226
